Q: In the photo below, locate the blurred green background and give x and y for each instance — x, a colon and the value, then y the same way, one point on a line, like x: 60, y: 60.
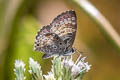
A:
x: 21, y: 19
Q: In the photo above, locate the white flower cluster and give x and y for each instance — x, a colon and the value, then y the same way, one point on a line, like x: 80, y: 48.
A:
x: 66, y: 69
x: 35, y: 69
x: 19, y: 70
x: 77, y: 68
x: 62, y: 69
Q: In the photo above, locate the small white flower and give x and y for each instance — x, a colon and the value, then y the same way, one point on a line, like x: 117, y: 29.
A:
x: 83, y: 65
x: 35, y: 69
x: 75, y: 70
x: 33, y: 63
x: 19, y: 63
x: 50, y: 76
x: 19, y: 70
x: 68, y: 62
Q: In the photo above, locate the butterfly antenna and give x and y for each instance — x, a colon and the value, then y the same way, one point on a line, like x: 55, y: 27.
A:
x: 77, y: 51
x: 78, y: 54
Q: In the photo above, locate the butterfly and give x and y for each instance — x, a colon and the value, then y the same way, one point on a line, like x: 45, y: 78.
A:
x: 58, y: 37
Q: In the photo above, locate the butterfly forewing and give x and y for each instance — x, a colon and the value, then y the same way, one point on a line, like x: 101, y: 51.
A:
x: 65, y: 26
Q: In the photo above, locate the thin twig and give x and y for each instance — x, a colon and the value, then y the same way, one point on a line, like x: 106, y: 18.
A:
x: 104, y: 25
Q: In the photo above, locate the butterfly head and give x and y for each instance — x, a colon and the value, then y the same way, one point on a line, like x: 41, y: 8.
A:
x: 69, y: 52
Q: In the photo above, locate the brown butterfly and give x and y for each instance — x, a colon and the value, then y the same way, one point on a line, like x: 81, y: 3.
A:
x: 58, y: 37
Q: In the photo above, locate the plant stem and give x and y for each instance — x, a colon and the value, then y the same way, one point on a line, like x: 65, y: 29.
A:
x: 105, y: 27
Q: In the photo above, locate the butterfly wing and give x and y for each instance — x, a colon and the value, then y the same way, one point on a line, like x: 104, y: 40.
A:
x: 58, y: 36
x: 65, y: 26
x: 43, y: 30
x: 48, y: 43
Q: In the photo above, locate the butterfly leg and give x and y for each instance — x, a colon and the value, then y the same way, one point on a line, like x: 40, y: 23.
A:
x: 46, y: 56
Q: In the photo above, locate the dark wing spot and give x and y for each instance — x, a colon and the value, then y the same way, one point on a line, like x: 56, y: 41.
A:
x: 60, y: 43
x: 55, y: 47
x: 37, y: 44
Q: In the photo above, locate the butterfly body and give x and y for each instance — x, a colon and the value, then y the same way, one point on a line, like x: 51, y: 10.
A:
x: 58, y: 37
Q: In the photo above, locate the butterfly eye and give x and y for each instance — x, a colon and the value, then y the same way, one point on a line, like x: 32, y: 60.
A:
x: 73, y: 50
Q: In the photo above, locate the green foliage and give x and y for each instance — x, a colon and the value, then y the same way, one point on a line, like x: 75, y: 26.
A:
x: 22, y: 47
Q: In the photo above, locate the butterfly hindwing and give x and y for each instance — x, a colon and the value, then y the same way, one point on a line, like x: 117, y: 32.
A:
x: 50, y: 44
